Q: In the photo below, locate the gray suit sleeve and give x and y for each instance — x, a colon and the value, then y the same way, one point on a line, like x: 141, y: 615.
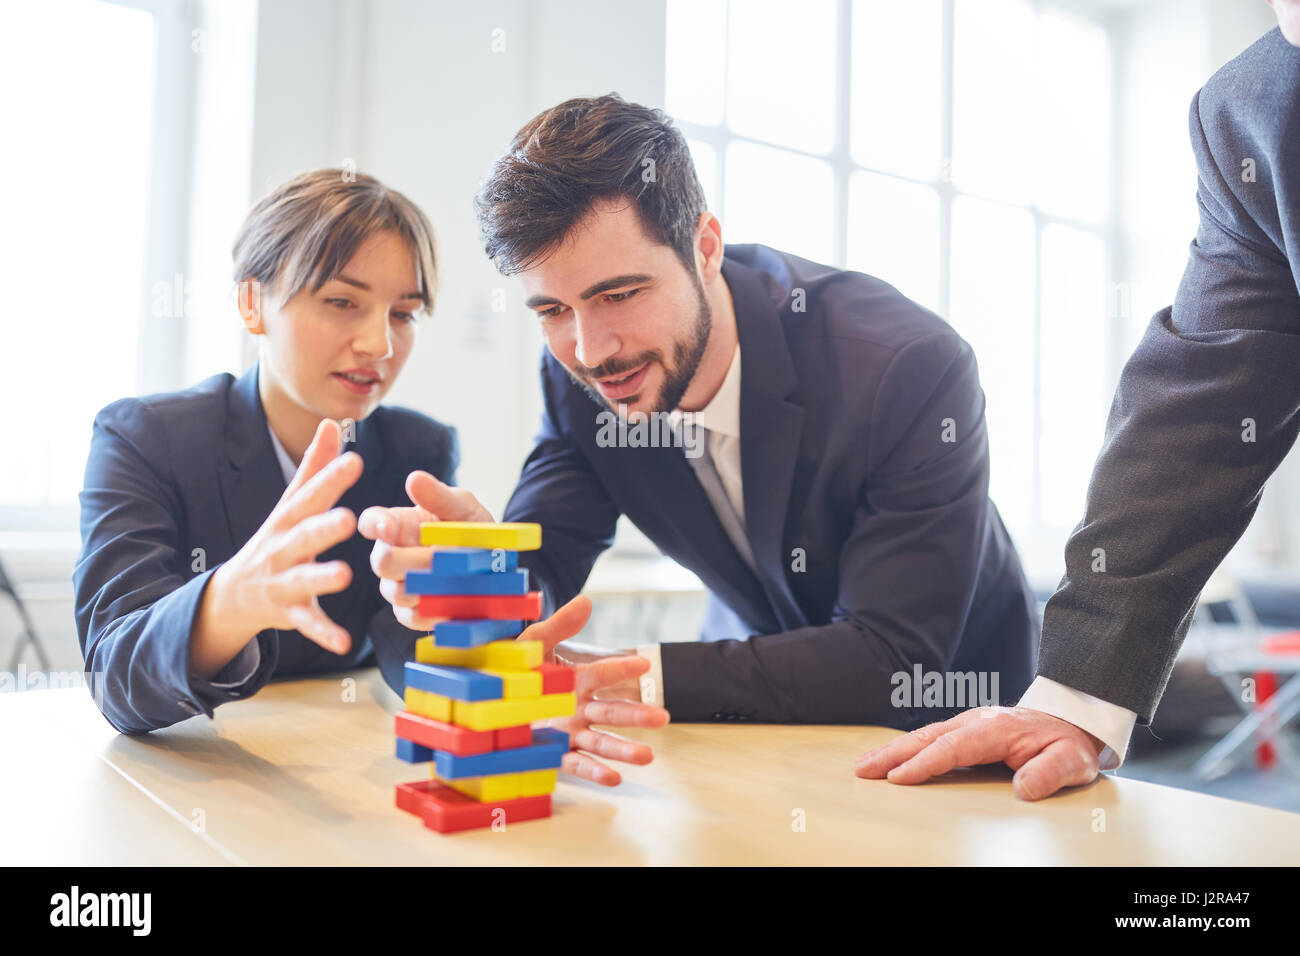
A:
x: 1205, y: 411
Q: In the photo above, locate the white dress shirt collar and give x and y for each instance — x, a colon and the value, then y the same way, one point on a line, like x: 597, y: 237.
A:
x: 722, y: 414
x: 287, y: 467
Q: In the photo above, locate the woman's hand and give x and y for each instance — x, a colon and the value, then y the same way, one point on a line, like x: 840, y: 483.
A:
x: 274, y: 579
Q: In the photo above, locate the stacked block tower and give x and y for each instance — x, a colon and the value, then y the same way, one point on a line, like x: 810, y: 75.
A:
x: 473, y: 690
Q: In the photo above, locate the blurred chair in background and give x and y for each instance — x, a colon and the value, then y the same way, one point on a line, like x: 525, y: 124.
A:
x: 1247, y: 659
x: 28, y: 633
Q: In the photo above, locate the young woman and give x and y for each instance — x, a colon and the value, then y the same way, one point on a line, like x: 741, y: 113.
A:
x: 218, y: 544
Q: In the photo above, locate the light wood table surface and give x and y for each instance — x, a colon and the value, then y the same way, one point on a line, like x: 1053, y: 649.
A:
x: 300, y: 774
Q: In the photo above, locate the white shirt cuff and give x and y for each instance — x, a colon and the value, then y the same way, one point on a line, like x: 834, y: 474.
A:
x: 1109, y: 723
x: 652, y: 681
x: 241, y: 667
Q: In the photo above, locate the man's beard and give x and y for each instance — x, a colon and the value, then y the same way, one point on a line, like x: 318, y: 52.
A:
x: 687, y: 355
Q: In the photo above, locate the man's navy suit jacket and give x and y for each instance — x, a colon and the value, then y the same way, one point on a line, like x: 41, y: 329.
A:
x: 865, y: 468
x: 175, y: 485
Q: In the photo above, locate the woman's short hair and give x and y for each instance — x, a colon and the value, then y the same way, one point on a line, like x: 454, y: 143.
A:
x: 304, y: 233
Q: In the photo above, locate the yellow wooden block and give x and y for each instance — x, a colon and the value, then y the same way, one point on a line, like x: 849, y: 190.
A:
x: 516, y: 683
x: 510, y: 536
x: 433, y: 706
x: 504, y: 786
x: 495, y: 714
x: 508, y: 655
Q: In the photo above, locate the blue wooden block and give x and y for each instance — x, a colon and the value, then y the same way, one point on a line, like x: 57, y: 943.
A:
x: 472, y: 633
x: 505, y: 582
x: 547, y: 751
x: 412, y: 752
x: 474, y: 560
x: 459, y: 683
x: 551, y: 735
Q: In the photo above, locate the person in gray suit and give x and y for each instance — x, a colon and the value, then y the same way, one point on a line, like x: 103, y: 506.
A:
x: 1207, y: 407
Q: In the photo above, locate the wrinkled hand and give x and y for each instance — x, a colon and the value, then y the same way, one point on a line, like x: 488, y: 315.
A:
x: 1046, y: 753
x: 592, y: 682
x: 396, y: 533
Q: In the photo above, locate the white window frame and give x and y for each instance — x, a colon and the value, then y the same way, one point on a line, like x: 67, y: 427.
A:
x: 1043, y: 545
x: 161, y: 346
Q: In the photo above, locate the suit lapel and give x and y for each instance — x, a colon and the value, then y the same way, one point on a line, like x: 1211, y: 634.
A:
x: 369, y: 489
x: 672, y: 491
x: 770, y: 430
x: 251, y: 482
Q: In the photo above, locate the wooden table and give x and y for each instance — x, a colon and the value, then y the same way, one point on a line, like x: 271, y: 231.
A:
x: 304, y: 774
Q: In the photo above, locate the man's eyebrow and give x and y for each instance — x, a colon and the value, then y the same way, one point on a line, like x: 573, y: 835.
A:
x: 604, y: 285
x: 365, y: 288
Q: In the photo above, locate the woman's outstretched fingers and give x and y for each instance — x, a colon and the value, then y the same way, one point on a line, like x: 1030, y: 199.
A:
x: 323, y: 449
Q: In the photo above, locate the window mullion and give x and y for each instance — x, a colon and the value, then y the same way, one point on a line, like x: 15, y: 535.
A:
x: 946, y: 192
x: 841, y: 161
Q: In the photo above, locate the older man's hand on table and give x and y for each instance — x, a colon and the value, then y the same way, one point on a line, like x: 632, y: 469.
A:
x: 1046, y: 753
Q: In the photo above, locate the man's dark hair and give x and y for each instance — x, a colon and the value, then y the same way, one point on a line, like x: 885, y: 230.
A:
x: 572, y: 155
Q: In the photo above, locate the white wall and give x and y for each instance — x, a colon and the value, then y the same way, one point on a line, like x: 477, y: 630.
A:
x: 425, y: 95
x: 410, y: 91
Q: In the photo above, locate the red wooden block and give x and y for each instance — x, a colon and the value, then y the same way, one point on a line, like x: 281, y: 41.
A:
x: 497, y: 607
x: 507, y: 738
x: 437, y: 735
x: 411, y: 796
x: 556, y: 679
x: 447, y: 810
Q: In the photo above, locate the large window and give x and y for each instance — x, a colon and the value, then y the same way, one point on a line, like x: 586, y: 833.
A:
x: 958, y: 149
x: 79, y: 79
x: 126, y: 108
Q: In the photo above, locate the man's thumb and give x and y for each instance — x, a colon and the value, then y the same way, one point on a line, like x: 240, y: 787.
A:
x: 560, y: 626
x: 429, y: 493
x: 442, y: 500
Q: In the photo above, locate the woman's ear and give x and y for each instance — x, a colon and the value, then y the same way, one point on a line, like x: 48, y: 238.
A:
x: 250, y: 306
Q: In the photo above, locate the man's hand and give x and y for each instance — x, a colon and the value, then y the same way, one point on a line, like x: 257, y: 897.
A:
x: 595, y: 681
x: 396, y: 533
x: 604, y: 686
x: 573, y: 654
x: 1046, y: 753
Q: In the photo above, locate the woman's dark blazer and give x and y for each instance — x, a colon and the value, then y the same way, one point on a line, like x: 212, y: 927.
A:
x: 175, y: 485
